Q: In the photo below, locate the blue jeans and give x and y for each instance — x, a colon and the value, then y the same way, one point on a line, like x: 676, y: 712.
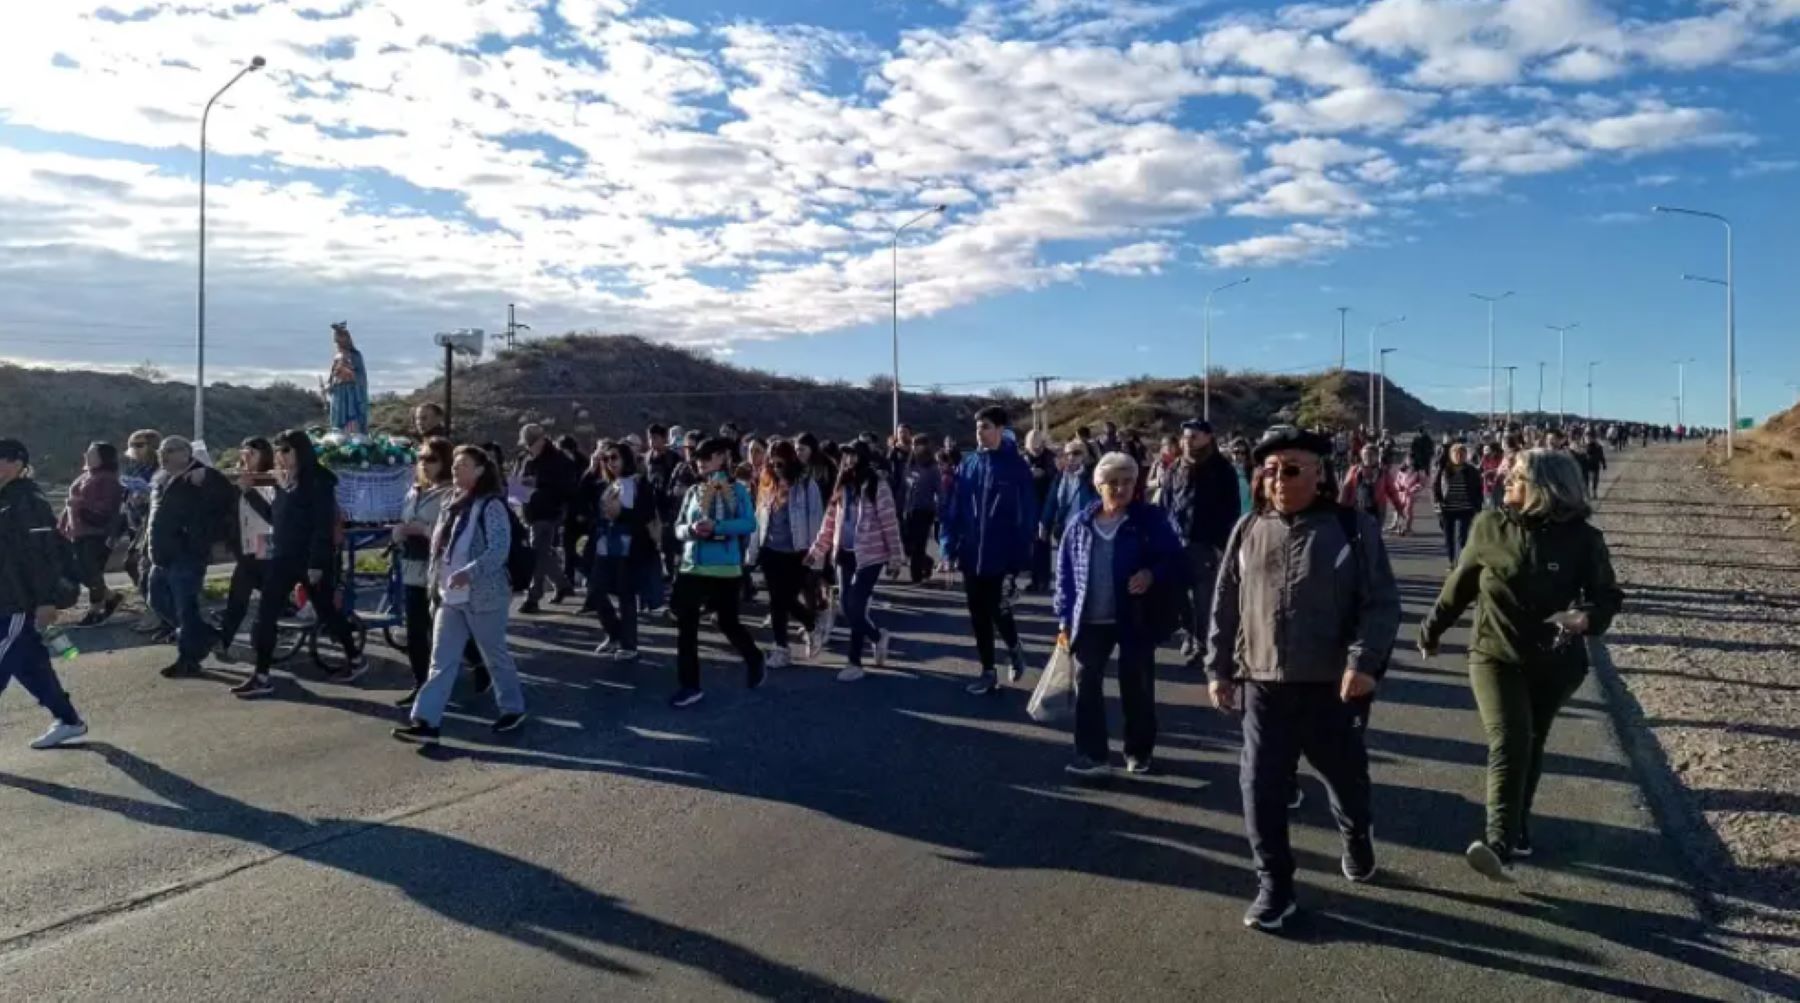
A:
x: 175, y: 596
x: 857, y: 587
x: 24, y: 657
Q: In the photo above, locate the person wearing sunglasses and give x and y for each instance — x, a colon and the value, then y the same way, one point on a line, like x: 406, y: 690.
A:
x: 1303, y: 623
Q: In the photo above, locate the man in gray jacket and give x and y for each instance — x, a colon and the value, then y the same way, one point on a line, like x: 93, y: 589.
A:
x: 1303, y: 621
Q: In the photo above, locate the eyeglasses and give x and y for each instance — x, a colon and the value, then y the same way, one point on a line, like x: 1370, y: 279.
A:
x: 1286, y: 471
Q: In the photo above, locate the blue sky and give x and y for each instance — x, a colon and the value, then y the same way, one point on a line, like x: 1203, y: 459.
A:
x: 726, y: 176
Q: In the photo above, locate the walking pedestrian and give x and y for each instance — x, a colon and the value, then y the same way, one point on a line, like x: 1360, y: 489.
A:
x: 1201, y: 497
x: 621, y: 551
x: 789, y: 513
x: 190, y: 508
x: 716, y: 517
x: 549, y: 478
x: 988, y: 524
x: 1456, y: 490
x: 305, y: 526
x: 1593, y: 460
x: 1116, y: 555
x: 1541, y: 578
x: 255, y: 537
x: 1073, y: 494
x: 1042, y: 460
x: 860, y: 536
x: 29, y: 567
x: 1301, y: 559
x: 922, y: 487
x: 468, y: 573
x: 138, y: 471
x: 432, y: 488
x: 92, y: 520
x: 1368, y: 488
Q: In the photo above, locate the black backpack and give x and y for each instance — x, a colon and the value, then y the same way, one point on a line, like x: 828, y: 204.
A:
x: 521, y: 560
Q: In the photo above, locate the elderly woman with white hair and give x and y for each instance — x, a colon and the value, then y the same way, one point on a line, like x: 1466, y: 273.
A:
x: 1118, y: 569
x: 1542, y: 580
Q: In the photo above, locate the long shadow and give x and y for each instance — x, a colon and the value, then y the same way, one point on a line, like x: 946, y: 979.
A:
x: 1786, y: 733
x: 1624, y: 670
x: 1715, y: 644
x: 540, y: 909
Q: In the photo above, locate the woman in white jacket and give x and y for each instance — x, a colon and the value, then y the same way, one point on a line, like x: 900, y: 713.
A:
x: 474, y: 594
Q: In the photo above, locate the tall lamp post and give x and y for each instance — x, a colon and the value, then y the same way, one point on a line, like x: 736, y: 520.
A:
x: 1590, y: 391
x: 1681, y: 390
x: 1731, y: 397
x: 1391, y: 321
x: 1540, y: 407
x: 1343, y: 338
x: 1562, y: 371
x: 256, y: 63
x: 933, y: 211
x: 1206, y: 348
x: 1490, y: 301
x: 1510, y: 370
x: 1381, y: 418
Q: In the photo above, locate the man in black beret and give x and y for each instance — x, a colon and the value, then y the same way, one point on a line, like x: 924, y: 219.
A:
x: 1303, y: 621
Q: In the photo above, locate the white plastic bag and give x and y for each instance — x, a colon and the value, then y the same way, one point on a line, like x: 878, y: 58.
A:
x: 1053, y: 701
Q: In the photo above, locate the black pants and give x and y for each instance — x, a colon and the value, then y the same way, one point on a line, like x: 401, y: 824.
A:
x: 785, y: 574
x: 1456, y: 532
x: 1202, y: 575
x: 1283, y: 721
x: 1094, y: 644
x: 279, y: 579
x: 915, y: 537
x: 573, y: 534
x: 696, y: 595
x: 990, y: 610
x: 246, y: 577
x: 91, y: 555
x: 1040, y: 565
x: 418, y: 632
x: 613, y: 579
x: 1593, y: 480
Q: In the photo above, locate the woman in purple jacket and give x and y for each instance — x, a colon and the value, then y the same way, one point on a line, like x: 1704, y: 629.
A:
x: 91, y: 522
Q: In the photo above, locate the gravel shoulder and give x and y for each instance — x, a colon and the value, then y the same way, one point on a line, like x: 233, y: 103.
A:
x: 1705, y: 672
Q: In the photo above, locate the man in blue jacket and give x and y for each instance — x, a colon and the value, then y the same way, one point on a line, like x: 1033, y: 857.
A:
x: 987, y: 527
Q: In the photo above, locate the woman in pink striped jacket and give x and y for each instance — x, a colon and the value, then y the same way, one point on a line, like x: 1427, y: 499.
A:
x: 860, y: 535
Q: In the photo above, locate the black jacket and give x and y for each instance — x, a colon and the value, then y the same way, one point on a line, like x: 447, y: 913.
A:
x: 553, y: 477
x: 305, y: 522
x: 1202, y: 500
x: 29, y: 561
x: 188, y: 519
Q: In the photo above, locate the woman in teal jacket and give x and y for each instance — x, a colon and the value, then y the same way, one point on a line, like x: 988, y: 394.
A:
x: 715, y: 519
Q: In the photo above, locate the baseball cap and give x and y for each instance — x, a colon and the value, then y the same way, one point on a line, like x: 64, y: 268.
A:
x: 1197, y: 425
x: 14, y: 451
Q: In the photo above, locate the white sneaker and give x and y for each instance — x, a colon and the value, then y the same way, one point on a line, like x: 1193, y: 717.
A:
x: 814, y: 641
x: 59, y: 734
x: 625, y: 655
x: 606, y: 647
x: 881, y: 649
x: 851, y: 674
x: 779, y: 658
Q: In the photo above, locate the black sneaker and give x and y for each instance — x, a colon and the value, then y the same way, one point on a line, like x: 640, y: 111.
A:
x: 1491, y: 861
x: 355, y: 669
x: 258, y: 685
x: 988, y: 683
x: 163, y: 635
x: 223, y: 653
x: 509, y: 723
x: 417, y: 731
x: 1016, y: 671
x: 1298, y: 799
x: 686, y: 697
x: 758, y: 674
x: 1272, y: 908
x: 1358, y: 861
x: 181, y: 667
x: 561, y: 596
x: 530, y: 608
x: 1524, y: 847
x: 409, y: 699
x: 1082, y: 766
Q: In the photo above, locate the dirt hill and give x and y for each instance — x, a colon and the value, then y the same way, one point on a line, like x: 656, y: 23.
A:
x: 1244, y: 404
x: 59, y: 412
x: 590, y: 386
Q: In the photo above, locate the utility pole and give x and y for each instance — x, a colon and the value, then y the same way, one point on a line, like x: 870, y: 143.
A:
x: 1510, y: 370
x: 1490, y: 301
x: 1343, y: 338
x: 1040, y: 403
x: 1540, y: 407
x: 1590, y: 391
x: 1381, y: 416
x: 513, y: 327
x: 1681, y: 390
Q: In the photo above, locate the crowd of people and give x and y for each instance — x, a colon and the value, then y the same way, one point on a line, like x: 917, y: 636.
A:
x: 1264, y: 559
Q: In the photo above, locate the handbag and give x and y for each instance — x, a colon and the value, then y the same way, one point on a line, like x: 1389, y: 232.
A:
x: 1053, y: 699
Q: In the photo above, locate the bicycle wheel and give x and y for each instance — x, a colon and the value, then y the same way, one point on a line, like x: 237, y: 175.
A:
x: 325, y: 652
x: 288, y: 640
x: 395, y: 637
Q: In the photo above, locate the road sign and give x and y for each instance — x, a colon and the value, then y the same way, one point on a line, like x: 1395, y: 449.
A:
x: 1746, y: 423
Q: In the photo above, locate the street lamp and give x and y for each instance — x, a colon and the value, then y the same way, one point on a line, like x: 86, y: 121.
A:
x: 1343, y: 339
x: 933, y: 211
x: 1680, y: 389
x: 1381, y: 422
x: 1372, y: 362
x: 1206, y: 349
x: 1490, y: 301
x: 1730, y: 323
x: 1562, y: 371
x: 1510, y: 370
x: 256, y: 63
x: 1590, y: 391
x: 1540, y: 407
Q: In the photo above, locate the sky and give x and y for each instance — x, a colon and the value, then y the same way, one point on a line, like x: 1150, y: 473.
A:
x: 729, y: 177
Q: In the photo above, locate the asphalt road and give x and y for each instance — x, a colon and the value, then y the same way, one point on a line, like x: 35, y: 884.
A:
x: 894, y: 838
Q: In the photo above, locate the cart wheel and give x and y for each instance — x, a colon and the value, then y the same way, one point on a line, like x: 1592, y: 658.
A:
x: 325, y: 652
x: 287, y: 641
x: 395, y: 637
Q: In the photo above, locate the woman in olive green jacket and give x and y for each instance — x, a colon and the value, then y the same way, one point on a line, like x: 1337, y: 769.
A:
x: 1541, y: 580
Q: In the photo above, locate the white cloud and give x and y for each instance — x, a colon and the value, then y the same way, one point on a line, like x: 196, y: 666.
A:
x: 1312, y: 153
x: 1145, y: 258
x: 1306, y: 195
x: 1299, y: 242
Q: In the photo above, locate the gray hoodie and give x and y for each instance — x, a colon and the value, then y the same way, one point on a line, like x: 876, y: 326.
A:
x: 1296, y: 604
